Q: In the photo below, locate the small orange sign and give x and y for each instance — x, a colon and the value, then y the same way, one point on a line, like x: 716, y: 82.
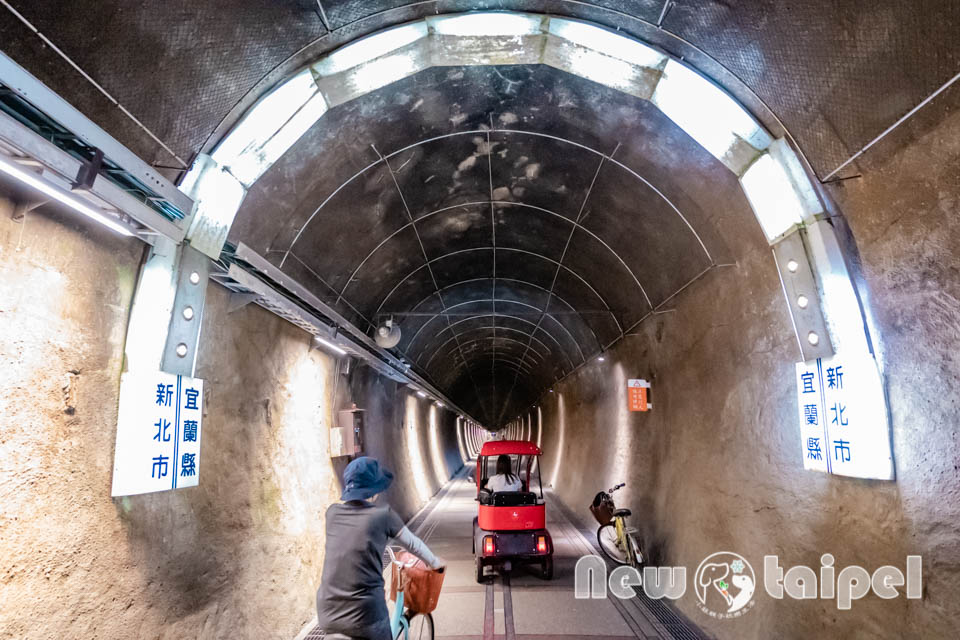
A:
x: 638, y: 395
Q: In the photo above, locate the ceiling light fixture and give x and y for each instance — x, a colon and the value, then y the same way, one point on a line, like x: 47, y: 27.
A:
x: 62, y: 196
x: 330, y: 345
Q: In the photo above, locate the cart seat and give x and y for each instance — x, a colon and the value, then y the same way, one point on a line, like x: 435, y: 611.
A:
x: 621, y: 513
x: 514, y: 498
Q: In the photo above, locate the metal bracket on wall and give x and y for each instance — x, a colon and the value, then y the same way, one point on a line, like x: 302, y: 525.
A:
x: 46, y: 100
x: 298, y: 306
x: 183, y: 335
x: 59, y: 163
x: 239, y: 300
x: 803, y: 297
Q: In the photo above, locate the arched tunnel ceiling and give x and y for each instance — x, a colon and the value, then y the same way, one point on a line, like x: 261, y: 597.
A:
x: 510, y: 227
x: 835, y: 73
x: 507, y: 216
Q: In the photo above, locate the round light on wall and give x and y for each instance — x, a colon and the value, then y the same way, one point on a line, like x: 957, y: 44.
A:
x: 813, y: 338
x: 802, y: 301
x: 792, y: 266
x: 194, y: 278
x: 181, y: 350
x: 188, y: 313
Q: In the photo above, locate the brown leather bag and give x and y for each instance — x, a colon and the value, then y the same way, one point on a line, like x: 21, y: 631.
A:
x: 420, y: 584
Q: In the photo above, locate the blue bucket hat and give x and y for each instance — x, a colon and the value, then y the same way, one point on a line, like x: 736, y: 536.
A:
x: 364, y: 478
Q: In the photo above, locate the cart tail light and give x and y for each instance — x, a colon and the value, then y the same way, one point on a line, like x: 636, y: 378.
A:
x: 488, y: 547
x: 542, y: 544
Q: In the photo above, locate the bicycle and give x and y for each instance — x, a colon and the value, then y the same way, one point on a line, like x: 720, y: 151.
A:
x: 616, y: 539
x: 405, y: 623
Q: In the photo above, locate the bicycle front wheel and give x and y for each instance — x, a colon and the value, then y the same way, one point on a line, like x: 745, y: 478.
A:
x: 607, y: 538
x: 420, y: 626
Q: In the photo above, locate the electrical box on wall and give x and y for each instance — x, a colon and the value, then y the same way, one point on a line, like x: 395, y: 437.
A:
x: 346, y: 439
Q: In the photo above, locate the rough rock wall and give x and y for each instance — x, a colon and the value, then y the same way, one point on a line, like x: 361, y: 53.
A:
x: 715, y: 466
x: 238, y: 556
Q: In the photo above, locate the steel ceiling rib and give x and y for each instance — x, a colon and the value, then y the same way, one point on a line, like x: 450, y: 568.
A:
x: 483, y: 351
x: 517, y: 354
x: 515, y: 280
x: 478, y: 329
x: 475, y: 132
x: 509, y: 357
x: 510, y: 203
x: 316, y: 275
x: 488, y: 338
x: 512, y: 341
x: 563, y: 255
x: 508, y: 362
x: 523, y: 251
x: 503, y: 328
x: 426, y: 258
x: 492, y: 202
x: 575, y: 144
x: 575, y: 224
x: 493, y: 242
x: 501, y: 315
x: 504, y: 363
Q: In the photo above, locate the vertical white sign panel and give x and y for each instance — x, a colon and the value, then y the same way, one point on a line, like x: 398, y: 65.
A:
x: 843, y: 417
x: 158, y: 433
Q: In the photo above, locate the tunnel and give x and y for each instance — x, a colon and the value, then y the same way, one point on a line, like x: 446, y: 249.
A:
x: 690, y: 265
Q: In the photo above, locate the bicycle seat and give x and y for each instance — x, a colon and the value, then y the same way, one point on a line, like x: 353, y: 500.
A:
x: 621, y: 513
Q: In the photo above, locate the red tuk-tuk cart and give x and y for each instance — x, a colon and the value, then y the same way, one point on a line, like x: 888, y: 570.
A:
x: 510, y: 527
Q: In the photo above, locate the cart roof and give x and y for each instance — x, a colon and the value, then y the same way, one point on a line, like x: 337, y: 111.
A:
x: 510, y: 447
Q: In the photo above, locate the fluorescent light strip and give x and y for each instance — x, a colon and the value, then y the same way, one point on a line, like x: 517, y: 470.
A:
x: 704, y: 111
x: 370, y: 48
x: 34, y: 181
x: 486, y: 23
x: 264, y: 120
x: 329, y: 345
x: 606, y: 42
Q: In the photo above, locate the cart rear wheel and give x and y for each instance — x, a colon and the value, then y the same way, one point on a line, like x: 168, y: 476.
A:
x: 546, y: 568
x: 480, y: 570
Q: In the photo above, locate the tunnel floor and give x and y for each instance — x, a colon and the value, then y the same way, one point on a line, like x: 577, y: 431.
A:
x: 521, y: 606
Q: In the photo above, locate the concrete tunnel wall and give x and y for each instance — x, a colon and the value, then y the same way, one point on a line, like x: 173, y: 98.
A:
x: 716, y: 466
x: 238, y: 556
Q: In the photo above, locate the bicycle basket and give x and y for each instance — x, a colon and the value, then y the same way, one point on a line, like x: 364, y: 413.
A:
x: 602, y: 508
x: 420, y: 584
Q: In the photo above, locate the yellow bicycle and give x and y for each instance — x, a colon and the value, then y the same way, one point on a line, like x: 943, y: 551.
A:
x: 617, y: 541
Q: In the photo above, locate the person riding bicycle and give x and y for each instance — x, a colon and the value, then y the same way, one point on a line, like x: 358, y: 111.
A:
x: 351, y: 604
x: 504, y: 480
